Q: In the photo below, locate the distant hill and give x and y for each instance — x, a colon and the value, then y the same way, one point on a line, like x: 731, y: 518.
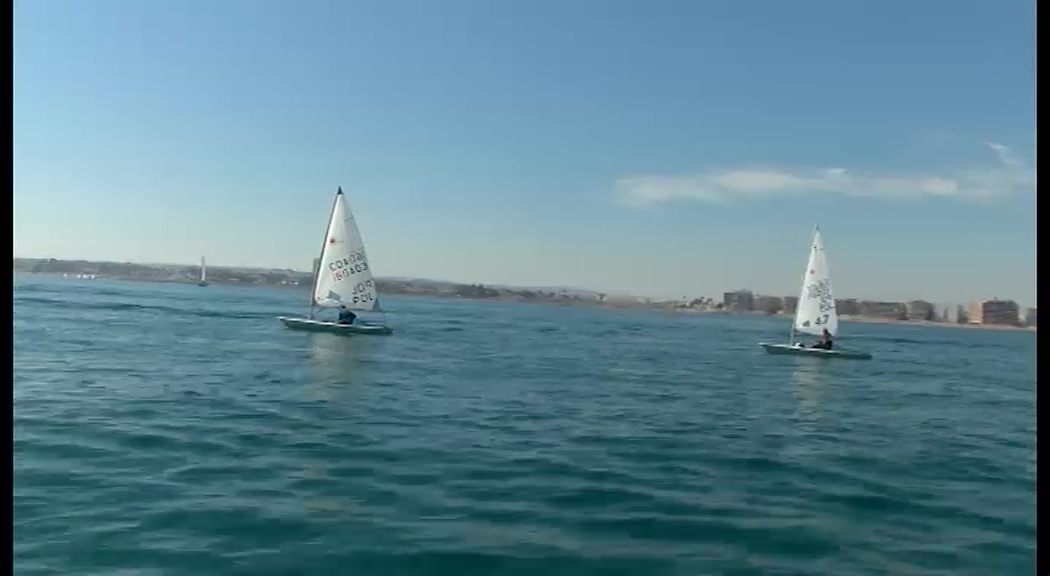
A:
x: 294, y: 278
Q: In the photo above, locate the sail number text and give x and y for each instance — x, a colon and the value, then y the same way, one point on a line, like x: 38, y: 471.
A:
x: 366, y: 297
x: 821, y: 320
x: 353, y: 264
x: 363, y: 292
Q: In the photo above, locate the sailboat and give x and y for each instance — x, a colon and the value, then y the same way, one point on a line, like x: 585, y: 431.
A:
x: 204, y: 274
x: 816, y: 309
x: 342, y: 277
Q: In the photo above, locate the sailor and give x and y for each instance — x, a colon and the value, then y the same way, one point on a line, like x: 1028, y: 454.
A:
x: 825, y: 341
x: 346, y: 316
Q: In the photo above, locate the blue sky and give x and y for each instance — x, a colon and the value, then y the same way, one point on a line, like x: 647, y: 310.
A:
x: 659, y: 148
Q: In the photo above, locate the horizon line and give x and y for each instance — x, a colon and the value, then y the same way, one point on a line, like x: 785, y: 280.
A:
x: 533, y: 287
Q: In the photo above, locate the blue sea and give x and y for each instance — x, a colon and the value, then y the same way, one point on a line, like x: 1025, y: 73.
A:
x: 173, y: 429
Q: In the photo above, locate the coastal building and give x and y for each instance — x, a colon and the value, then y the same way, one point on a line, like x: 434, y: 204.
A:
x: 768, y: 304
x: 943, y: 313
x: 1005, y: 312
x: 973, y: 313
x: 847, y: 307
x: 1029, y: 317
x: 789, y: 304
x: 995, y: 312
x: 739, y: 301
x: 961, y: 315
x: 946, y: 314
x: 920, y: 310
x: 885, y: 310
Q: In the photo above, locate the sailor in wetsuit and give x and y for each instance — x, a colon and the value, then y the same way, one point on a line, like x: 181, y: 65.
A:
x: 825, y: 341
x: 346, y: 316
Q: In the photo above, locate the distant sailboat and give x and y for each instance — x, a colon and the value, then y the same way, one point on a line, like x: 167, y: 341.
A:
x: 342, y: 277
x: 204, y: 273
x: 816, y: 309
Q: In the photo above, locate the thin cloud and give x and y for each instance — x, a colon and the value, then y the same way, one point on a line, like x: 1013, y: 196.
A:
x: 1005, y: 155
x: 1008, y: 176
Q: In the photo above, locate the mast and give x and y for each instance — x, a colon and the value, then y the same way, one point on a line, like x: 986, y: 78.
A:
x: 320, y: 258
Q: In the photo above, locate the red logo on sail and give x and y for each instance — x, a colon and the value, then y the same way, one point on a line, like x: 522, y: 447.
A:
x: 331, y: 240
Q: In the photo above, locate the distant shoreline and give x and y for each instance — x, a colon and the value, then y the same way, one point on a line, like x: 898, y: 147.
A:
x: 564, y: 301
x: 874, y: 320
x: 615, y: 305
x: 869, y: 320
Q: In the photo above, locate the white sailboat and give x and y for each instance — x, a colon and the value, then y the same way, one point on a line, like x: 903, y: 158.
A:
x: 816, y: 309
x: 343, y: 277
x: 204, y: 274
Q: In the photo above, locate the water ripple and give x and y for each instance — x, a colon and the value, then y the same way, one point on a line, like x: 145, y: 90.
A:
x: 166, y: 429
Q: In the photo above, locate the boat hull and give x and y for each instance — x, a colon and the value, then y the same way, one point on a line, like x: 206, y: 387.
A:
x: 308, y: 325
x: 790, y: 350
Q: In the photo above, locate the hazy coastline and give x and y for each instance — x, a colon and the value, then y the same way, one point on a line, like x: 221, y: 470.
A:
x: 298, y: 280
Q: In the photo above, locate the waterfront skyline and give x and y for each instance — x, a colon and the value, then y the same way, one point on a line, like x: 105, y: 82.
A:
x: 184, y: 272
x: 664, y: 150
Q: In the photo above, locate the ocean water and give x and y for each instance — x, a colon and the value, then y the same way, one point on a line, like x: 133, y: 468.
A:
x: 173, y: 429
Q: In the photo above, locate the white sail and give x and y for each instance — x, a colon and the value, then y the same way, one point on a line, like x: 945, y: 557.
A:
x: 344, y: 276
x: 204, y: 271
x: 816, y: 304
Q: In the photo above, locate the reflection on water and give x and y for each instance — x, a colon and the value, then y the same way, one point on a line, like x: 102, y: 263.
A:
x: 335, y: 362
x: 809, y: 380
x: 336, y: 367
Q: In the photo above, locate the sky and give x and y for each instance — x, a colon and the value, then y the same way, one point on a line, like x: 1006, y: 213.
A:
x: 667, y: 149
